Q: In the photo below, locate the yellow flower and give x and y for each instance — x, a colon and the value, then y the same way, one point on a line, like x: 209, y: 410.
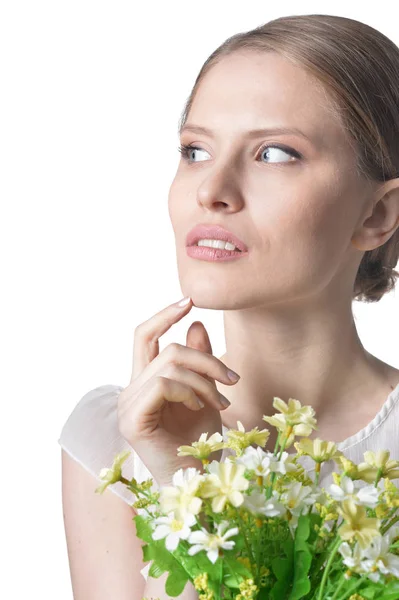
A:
x: 182, y: 497
x: 318, y: 449
x: 239, y: 439
x: 112, y: 475
x: 326, y: 511
x: 294, y: 420
x: 248, y: 589
x: 357, y: 525
x: 142, y: 503
x: 375, y: 461
x: 382, y: 511
x: 298, y: 474
x: 391, y: 494
x: 224, y: 482
x: 245, y: 561
x: 201, y: 582
x: 203, y: 448
x: 348, y: 467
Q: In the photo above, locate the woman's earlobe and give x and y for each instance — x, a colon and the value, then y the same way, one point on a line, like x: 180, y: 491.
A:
x: 357, y: 244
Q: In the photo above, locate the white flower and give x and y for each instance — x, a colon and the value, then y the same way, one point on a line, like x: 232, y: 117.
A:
x: 366, y: 496
x: 181, y: 497
x: 203, y: 448
x: 173, y: 529
x: 285, y: 464
x: 211, y: 542
x: 297, y: 496
x: 319, y: 494
x: 224, y: 483
x: 353, y: 558
x: 258, y: 503
x: 392, y: 533
x: 257, y: 460
x: 379, y: 557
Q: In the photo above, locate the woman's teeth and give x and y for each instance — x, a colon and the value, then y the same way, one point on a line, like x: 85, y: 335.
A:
x: 217, y: 244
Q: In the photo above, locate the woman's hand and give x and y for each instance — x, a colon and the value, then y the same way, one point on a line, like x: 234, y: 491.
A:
x: 159, y: 410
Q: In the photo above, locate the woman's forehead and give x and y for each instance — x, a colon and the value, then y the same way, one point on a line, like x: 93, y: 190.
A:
x: 251, y: 90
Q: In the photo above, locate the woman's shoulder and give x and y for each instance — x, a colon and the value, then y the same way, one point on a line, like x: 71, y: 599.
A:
x: 95, y: 412
x: 91, y: 436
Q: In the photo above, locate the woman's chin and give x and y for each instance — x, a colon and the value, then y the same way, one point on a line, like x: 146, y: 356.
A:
x: 213, y: 300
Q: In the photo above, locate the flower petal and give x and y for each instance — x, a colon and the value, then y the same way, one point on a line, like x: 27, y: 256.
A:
x: 218, y: 503
x: 195, y: 549
x: 160, y: 532
x: 172, y: 541
x: 213, y: 555
x: 198, y: 537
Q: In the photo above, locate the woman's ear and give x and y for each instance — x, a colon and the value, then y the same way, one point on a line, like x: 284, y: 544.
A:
x: 382, y: 220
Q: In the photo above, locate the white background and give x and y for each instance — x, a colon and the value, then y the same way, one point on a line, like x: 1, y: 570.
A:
x: 91, y: 94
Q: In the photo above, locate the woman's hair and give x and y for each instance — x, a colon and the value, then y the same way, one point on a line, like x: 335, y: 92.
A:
x: 358, y: 67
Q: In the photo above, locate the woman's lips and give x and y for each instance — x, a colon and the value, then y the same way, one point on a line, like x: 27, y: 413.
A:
x: 214, y: 232
x: 213, y: 254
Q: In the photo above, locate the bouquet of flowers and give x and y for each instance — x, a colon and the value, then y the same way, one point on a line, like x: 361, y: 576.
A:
x: 256, y: 526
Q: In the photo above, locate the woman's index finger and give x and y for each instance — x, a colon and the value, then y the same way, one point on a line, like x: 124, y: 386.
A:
x: 147, y: 334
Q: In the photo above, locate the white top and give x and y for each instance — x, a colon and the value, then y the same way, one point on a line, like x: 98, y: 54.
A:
x: 92, y: 438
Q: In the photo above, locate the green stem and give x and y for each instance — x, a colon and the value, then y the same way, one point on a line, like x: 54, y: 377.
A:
x: 269, y: 489
x: 137, y: 492
x: 277, y: 444
x: 320, y: 560
x: 349, y: 592
x: 389, y: 525
x: 258, y: 557
x: 378, y: 477
x: 220, y: 590
x: 226, y: 562
x: 317, y: 471
x: 250, y: 555
x: 334, y: 550
x: 389, y: 516
x: 284, y: 442
x: 341, y: 583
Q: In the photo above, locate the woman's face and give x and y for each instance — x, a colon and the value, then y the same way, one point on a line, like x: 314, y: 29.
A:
x: 296, y: 214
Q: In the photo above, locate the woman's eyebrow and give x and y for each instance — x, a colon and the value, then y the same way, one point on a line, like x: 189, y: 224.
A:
x: 251, y: 133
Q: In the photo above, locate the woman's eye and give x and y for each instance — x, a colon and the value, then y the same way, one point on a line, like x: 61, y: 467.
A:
x: 187, y: 152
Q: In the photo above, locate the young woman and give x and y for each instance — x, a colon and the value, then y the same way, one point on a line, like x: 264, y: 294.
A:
x: 290, y: 152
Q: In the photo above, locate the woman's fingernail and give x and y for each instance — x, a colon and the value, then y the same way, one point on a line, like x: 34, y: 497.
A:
x: 184, y: 301
x: 232, y: 375
x: 224, y: 401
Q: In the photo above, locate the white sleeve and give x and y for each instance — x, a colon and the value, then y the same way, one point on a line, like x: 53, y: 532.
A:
x: 91, y: 437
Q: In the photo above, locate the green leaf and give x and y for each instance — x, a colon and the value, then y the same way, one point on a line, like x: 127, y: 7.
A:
x: 302, y: 532
x: 146, y: 553
x: 391, y: 591
x: 176, y: 582
x: 302, y: 559
x: 155, y: 571
x: 314, y: 519
x: 369, y: 594
x: 283, y: 570
x: 164, y: 560
x: 143, y: 528
x: 198, y: 563
x: 301, y: 585
x: 240, y: 571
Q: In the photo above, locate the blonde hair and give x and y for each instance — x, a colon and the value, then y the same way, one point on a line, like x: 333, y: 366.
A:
x: 358, y: 66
